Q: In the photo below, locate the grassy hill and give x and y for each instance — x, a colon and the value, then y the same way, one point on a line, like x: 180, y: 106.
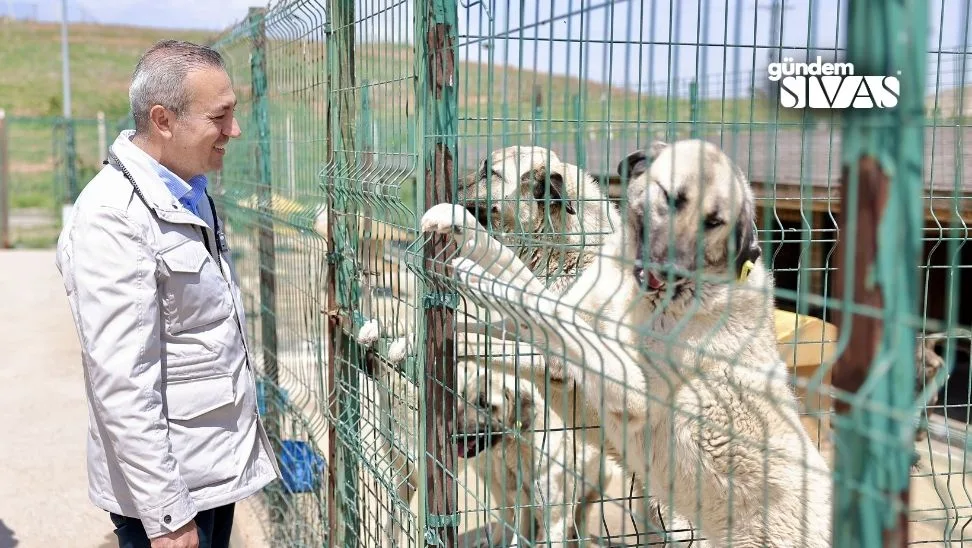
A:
x: 102, y: 58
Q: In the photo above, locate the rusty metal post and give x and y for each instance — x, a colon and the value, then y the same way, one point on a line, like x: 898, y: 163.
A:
x: 345, y: 358
x: 437, y: 127
x: 878, y: 252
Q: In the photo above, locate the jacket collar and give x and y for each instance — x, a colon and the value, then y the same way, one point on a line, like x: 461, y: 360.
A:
x: 157, y: 195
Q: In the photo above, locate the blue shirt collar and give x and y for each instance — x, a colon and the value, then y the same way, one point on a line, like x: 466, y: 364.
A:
x: 189, y: 193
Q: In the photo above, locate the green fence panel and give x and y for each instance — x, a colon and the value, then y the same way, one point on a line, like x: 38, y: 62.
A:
x: 47, y: 166
x: 358, y: 117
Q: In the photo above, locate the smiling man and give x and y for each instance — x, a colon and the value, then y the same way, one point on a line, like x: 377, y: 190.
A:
x: 174, y: 437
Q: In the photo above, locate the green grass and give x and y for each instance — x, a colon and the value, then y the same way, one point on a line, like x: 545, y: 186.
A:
x: 102, y: 58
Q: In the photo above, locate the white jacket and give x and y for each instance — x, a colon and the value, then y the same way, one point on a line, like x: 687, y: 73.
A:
x: 173, y: 421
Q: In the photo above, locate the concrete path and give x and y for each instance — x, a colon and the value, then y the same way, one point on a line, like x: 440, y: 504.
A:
x: 43, y: 417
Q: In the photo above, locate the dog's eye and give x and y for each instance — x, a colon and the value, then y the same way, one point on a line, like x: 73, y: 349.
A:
x: 483, y: 402
x: 680, y: 200
x: 713, y: 221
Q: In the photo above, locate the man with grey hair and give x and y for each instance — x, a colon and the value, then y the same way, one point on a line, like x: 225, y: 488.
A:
x: 174, y: 437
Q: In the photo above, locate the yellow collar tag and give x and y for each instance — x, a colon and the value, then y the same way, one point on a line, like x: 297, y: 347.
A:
x: 747, y: 267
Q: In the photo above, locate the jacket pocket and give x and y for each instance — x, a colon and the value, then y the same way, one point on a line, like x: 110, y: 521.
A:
x: 202, y: 423
x: 194, y: 292
x: 191, y: 398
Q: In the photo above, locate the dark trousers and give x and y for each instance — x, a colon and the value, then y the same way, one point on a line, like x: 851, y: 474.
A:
x: 213, y: 527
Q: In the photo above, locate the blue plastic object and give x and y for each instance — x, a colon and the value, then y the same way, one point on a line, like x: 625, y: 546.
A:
x: 300, y: 466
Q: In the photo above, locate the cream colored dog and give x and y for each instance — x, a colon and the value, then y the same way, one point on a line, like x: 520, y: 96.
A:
x: 556, y: 218
x: 528, y: 458
x: 676, y: 355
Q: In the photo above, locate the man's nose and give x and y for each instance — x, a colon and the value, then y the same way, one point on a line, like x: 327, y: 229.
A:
x: 235, y: 130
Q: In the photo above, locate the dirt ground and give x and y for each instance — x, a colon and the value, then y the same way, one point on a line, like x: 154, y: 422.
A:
x: 43, y: 418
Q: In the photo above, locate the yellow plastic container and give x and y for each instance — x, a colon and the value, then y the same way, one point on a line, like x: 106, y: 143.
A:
x: 805, y: 342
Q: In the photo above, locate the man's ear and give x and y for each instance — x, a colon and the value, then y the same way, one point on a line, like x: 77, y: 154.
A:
x: 634, y: 164
x: 161, y: 118
x: 555, y: 191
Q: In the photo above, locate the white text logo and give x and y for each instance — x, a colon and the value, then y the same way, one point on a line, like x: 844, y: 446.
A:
x: 831, y: 85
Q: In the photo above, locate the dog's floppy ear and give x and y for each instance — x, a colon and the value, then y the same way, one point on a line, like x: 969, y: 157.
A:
x: 523, y: 407
x: 747, y: 243
x: 637, y: 162
x: 633, y: 164
x: 555, y: 191
x: 655, y: 149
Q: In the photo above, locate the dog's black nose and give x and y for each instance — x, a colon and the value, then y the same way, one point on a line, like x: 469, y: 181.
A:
x: 639, y: 274
x: 480, y: 212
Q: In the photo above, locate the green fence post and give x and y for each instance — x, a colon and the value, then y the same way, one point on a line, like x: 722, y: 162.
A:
x: 436, y: 66
x: 71, y: 159
x: 877, y: 258
x: 537, y: 114
x: 344, y: 291
x: 580, y: 137
x: 694, y: 108
x: 266, y: 247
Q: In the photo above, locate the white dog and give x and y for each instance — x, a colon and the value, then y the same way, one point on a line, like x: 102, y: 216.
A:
x: 556, y: 218
x: 680, y: 364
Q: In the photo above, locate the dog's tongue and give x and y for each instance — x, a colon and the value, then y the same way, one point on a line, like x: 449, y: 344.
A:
x: 654, y: 282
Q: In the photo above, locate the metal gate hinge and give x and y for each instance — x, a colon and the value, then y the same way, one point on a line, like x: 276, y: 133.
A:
x: 439, y: 299
x: 439, y: 521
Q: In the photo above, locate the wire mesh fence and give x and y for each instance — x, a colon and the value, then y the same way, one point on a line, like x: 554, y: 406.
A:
x: 41, y: 171
x: 563, y: 356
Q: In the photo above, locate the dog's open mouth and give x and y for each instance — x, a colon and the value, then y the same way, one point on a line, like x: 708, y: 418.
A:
x: 472, y: 444
x: 653, y: 280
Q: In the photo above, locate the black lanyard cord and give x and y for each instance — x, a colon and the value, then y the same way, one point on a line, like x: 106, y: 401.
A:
x: 220, y: 237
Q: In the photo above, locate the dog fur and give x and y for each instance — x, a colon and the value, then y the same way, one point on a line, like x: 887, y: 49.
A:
x: 680, y: 362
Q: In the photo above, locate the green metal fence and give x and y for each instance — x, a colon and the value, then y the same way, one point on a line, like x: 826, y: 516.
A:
x: 397, y: 425
x: 45, y: 167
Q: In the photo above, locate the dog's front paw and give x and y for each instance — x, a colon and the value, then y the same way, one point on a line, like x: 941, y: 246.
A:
x: 400, y: 349
x: 368, y: 333
x: 447, y: 218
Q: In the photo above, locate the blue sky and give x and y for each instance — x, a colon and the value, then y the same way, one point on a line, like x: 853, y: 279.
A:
x: 550, y: 39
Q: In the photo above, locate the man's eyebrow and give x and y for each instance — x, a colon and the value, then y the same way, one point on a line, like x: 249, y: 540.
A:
x: 226, y: 105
